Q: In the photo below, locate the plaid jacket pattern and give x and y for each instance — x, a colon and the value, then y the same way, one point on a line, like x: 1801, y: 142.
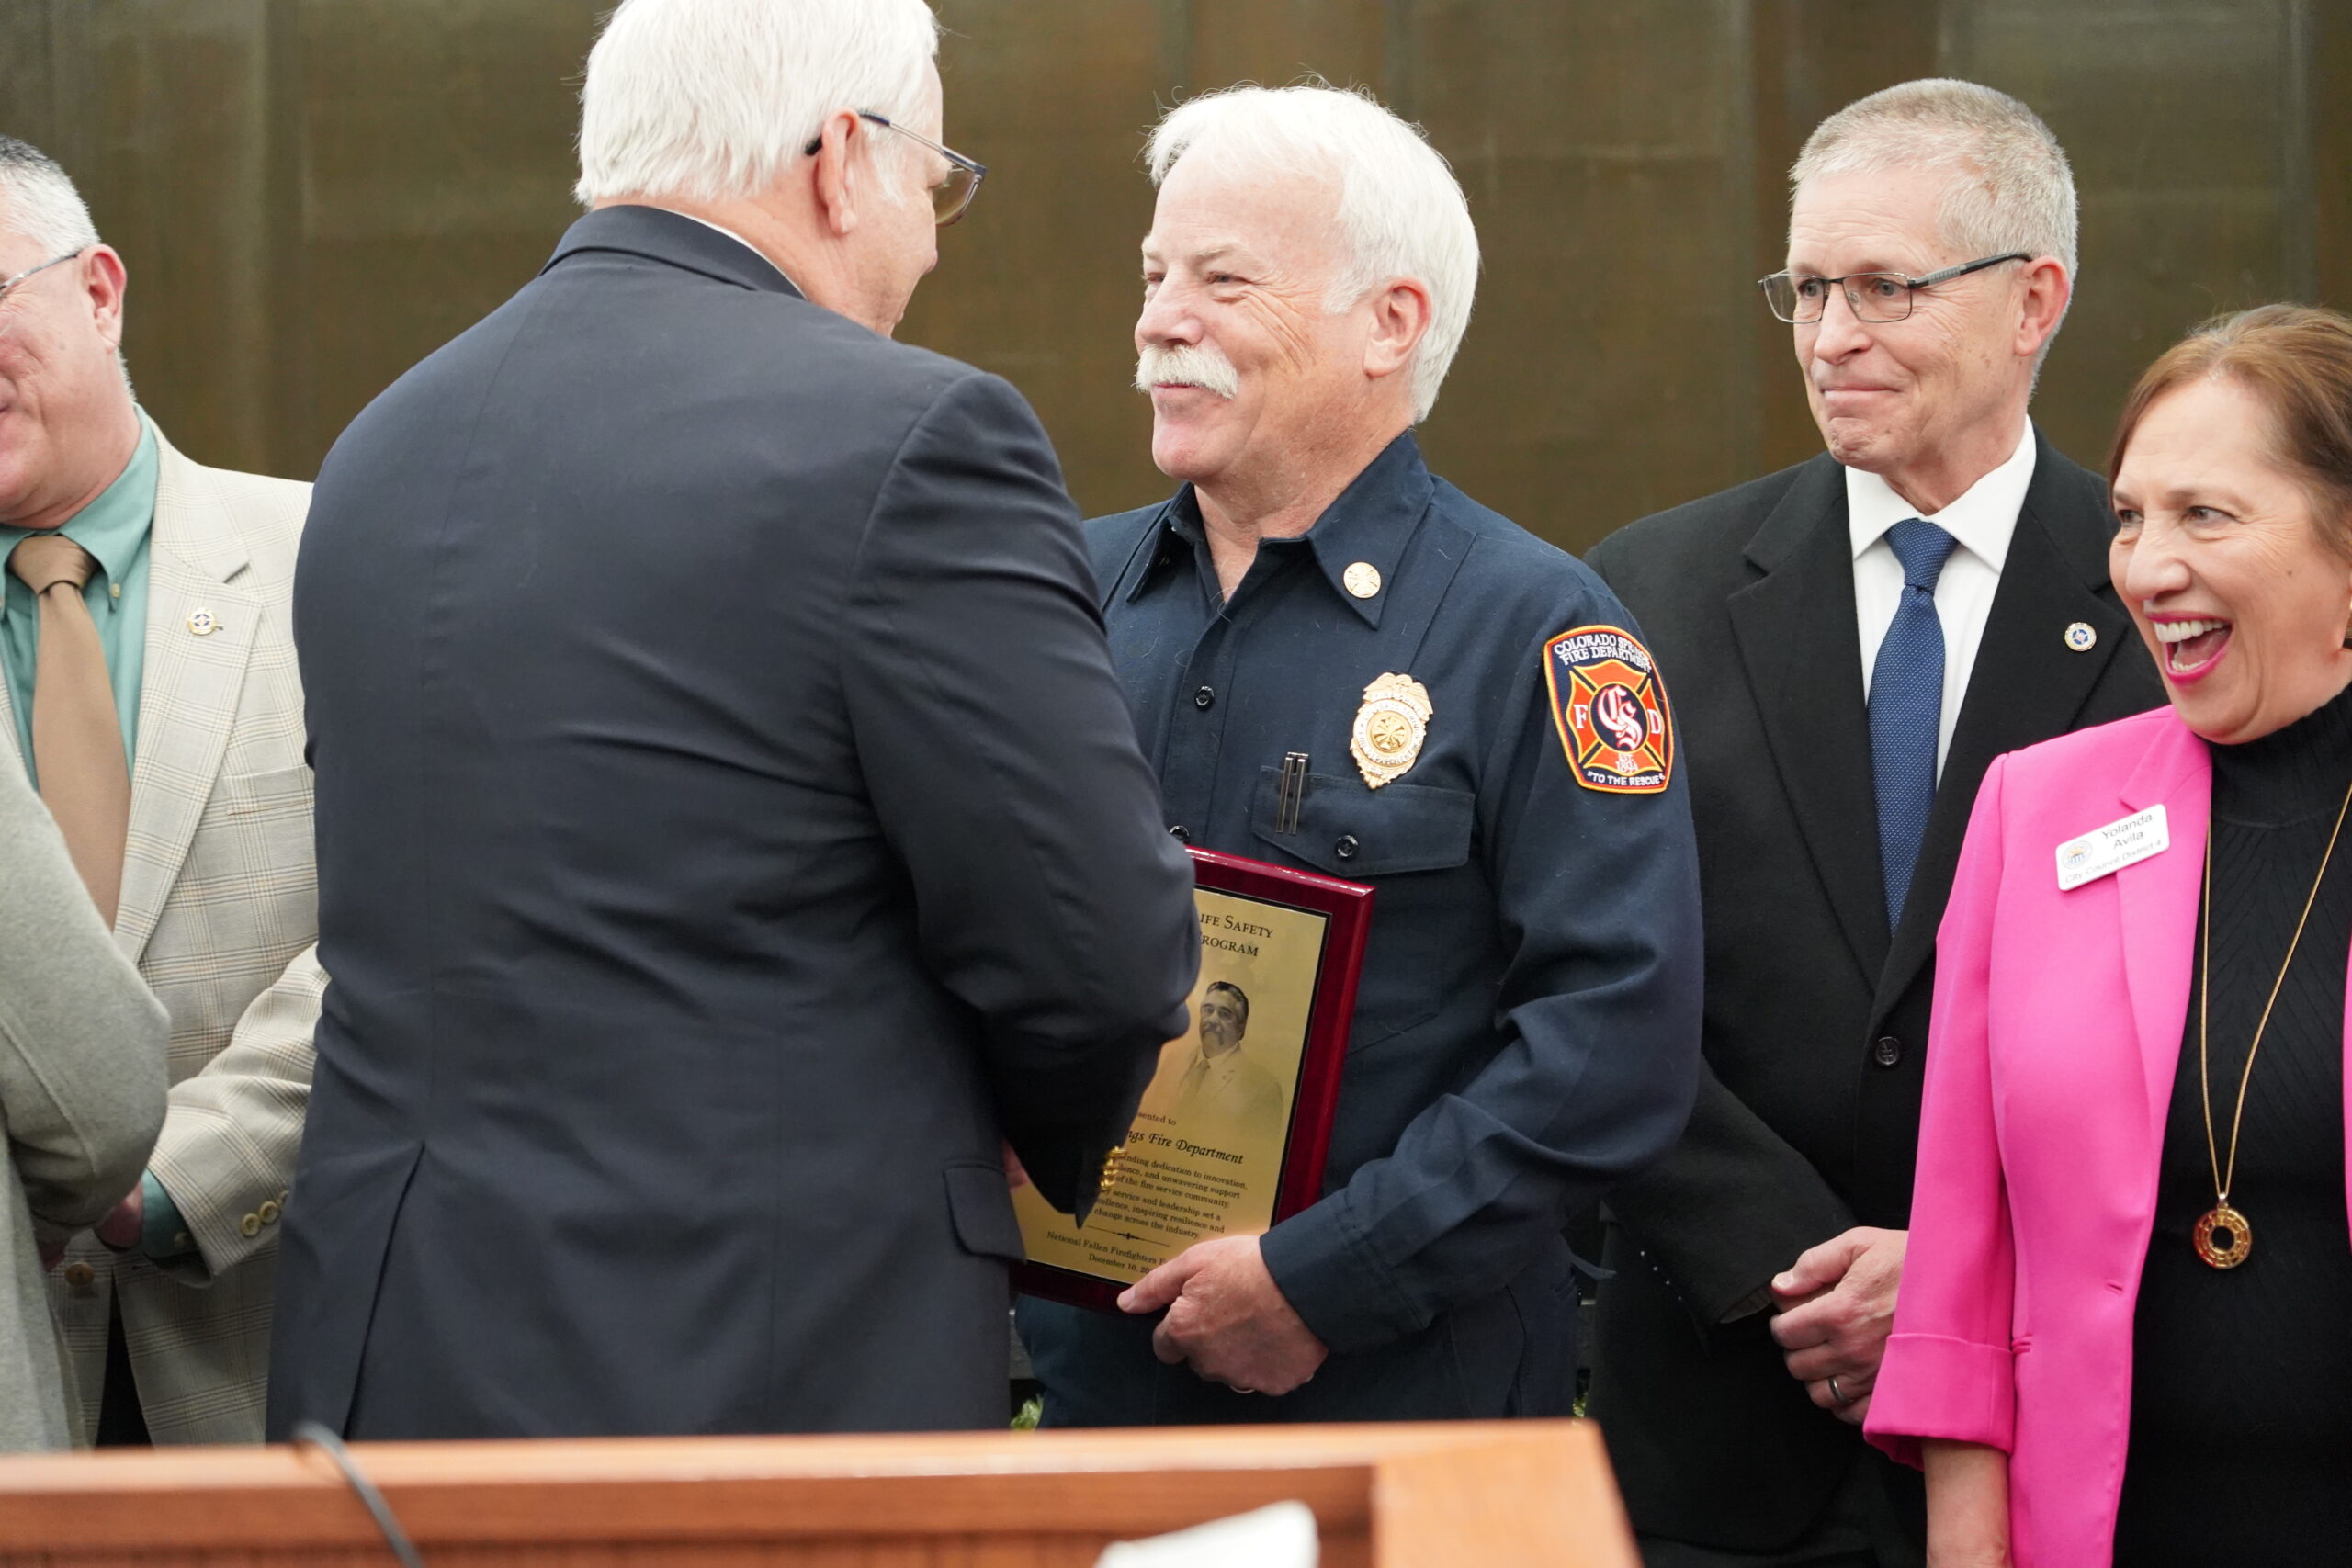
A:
x: 220, y: 912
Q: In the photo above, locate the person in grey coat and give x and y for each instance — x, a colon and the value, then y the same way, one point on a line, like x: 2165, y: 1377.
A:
x: 82, y: 1084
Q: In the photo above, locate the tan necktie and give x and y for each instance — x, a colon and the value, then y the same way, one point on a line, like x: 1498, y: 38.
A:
x: 77, y: 739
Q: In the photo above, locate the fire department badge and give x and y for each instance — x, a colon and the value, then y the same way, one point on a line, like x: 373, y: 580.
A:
x: 1390, y: 727
x: 1610, y: 709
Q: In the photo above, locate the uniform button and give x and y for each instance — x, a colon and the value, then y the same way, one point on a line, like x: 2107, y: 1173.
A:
x: 1347, y: 846
x: 79, y: 1274
x: 1887, y: 1052
x: 1179, y: 833
x: 1205, y: 698
x: 268, y: 1212
x: 249, y: 1225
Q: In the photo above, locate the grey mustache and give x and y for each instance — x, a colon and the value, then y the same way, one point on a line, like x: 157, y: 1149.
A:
x: 1188, y: 365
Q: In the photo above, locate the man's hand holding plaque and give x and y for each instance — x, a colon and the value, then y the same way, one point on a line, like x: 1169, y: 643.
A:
x: 1230, y: 1137
x: 1227, y: 1318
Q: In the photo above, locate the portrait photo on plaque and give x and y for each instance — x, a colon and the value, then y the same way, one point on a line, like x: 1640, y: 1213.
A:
x: 1233, y: 1129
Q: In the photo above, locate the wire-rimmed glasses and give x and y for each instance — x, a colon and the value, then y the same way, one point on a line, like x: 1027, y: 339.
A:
x: 8, y: 285
x: 1799, y: 298
x: 950, y: 197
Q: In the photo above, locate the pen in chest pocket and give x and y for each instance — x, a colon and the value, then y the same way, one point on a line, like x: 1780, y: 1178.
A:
x: 1290, y: 791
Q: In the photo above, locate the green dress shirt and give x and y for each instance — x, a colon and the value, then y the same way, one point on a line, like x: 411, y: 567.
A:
x: 115, y: 529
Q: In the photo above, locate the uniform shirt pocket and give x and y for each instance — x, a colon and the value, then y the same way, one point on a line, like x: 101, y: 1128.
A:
x: 1357, y: 833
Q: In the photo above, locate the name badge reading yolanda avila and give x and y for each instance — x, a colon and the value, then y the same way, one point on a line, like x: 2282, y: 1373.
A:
x: 2104, y: 850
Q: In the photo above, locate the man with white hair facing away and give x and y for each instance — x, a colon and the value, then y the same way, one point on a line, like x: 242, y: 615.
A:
x: 1856, y: 639
x: 1527, y: 1026
x: 148, y: 688
x: 731, y: 838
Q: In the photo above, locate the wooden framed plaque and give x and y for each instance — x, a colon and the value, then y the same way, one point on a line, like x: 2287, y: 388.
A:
x: 1233, y: 1130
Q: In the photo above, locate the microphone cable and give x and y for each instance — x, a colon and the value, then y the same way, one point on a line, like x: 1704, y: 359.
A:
x: 313, y: 1434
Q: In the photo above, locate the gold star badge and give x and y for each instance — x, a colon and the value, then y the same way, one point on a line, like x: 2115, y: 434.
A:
x: 1389, y: 729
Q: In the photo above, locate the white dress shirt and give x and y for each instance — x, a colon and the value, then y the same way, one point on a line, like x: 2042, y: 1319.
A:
x: 1979, y: 522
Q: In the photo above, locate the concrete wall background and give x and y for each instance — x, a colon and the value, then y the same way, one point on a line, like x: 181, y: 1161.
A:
x: 313, y: 194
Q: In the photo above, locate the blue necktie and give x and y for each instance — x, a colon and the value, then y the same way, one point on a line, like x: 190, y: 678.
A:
x: 1906, y: 700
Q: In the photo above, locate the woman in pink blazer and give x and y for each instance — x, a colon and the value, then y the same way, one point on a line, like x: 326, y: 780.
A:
x: 2125, y: 1324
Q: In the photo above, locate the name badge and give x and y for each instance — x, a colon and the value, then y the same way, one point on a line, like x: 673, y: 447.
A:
x: 2104, y: 850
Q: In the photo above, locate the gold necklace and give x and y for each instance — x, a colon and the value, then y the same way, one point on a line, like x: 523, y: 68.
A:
x: 2222, y: 1236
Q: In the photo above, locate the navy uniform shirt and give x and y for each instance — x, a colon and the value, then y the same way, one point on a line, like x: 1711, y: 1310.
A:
x: 1527, y: 1026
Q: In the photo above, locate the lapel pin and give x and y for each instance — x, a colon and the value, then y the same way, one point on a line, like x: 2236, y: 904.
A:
x: 1362, y: 579
x: 201, y: 622
x: 2081, y: 637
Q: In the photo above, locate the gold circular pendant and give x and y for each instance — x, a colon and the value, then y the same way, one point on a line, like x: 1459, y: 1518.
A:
x: 2222, y: 1236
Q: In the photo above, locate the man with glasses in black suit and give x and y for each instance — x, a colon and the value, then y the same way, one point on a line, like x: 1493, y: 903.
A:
x: 1851, y: 642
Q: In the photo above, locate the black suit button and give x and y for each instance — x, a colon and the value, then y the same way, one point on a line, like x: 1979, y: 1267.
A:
x: 1179, y: 833
x: 1205, y: 698
x: 1347, y: 846
x: 1887, y: 1052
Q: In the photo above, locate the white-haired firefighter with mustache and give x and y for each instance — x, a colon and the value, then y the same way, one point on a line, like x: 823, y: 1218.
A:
x: 1526, y: 1032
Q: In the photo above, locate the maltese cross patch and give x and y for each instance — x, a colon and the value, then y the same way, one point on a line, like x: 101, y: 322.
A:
x: 1611, y: 710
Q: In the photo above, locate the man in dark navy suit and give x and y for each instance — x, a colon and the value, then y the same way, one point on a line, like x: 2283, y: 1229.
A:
x: 730, y: 833
x: 1489, y: 745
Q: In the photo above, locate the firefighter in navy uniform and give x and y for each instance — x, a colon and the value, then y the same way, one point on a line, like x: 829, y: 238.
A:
x: 1488, y: 743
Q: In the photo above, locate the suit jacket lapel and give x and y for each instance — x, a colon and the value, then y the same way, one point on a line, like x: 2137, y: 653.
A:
x: 1803, y: 659
x: 2159, y: 898
x: 192, y: 681
x: 2029, y: 684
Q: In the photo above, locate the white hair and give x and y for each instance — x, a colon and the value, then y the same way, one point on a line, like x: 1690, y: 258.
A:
x: 38, y: 200
x: 2011, y: 188
x: 1401, y: 213
x: 710, y: 100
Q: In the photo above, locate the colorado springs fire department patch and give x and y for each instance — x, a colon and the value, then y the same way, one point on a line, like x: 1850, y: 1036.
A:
x: 1611, y: 710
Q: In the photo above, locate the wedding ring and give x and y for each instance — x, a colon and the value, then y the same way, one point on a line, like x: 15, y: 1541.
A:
x: 1838, y: 1394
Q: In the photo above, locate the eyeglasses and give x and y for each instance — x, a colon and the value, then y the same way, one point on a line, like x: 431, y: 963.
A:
x: 1876, y: 297
x: 951, y: 196
x: 9, y: 285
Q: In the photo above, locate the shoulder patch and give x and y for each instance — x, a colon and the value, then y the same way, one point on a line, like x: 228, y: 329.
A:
x: 1610, y: 708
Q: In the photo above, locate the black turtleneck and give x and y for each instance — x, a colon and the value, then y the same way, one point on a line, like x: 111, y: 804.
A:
x: 2242, y: 1379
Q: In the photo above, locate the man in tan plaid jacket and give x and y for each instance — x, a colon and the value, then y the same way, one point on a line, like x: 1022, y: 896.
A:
x: 193, y: 837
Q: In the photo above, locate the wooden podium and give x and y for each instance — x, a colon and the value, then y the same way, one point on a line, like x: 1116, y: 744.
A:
x: 1489, y: 1494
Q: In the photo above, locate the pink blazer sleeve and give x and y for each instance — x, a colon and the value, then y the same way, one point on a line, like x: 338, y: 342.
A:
x: 1946, y: 1371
